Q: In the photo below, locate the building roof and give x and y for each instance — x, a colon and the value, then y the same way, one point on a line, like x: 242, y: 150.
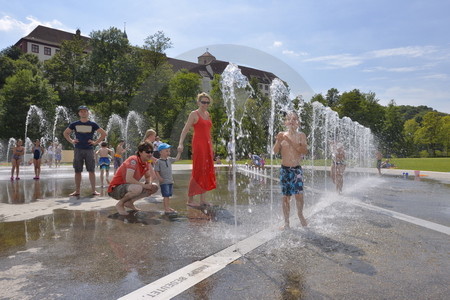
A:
x: 206, y: 54
x: 50, y: 36
x: 55, y: 37
x: 218, y: 66
x: 181, y: 64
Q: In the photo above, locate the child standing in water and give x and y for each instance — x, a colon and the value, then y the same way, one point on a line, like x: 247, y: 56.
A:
x: 38, y: 151
x: 58, y: 154
x: 104, y: 161
x: 163, y: 169
x: 118, y: 159
x: 292, y: 145
x: 17, y: 155
x: 338, y: 166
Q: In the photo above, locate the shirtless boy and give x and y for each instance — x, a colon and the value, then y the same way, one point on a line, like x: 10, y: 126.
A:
x: 118, y: 159
x: 292, y: 145
x: 104, y: 161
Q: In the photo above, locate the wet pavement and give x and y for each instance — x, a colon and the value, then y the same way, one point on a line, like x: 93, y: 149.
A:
x: 348, y: 252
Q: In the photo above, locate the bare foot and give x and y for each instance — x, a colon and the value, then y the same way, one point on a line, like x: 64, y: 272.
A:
x: 285, y: 227
x: 303, y: 222
x: 131, y: 206
x: 95, y: 193
x: 170, y: 210
x: 121, y: 210
x: 192, y: 204
x: 75, y: 194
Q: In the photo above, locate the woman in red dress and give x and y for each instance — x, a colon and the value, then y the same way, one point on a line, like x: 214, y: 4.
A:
x: 203, y: 177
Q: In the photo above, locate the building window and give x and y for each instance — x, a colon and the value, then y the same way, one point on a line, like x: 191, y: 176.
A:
x: 34, y: 48
x: 266, y: 87
x: 47, y: 51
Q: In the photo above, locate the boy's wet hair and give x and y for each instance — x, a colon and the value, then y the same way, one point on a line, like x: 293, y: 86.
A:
x: 293, y: 113
x: 144, y: 146
x: 104, y: 144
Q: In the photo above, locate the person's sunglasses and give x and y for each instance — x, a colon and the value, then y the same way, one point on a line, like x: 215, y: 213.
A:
x: 205, y: 102
x: 149, y: 152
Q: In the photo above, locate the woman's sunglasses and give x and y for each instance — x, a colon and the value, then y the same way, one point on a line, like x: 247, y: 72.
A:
x: 205, y: 102
x: 149, y: 152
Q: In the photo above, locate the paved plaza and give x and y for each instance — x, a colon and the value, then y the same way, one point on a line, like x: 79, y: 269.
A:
x: 384, y: 238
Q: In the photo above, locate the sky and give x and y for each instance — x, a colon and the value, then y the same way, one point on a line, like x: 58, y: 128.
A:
x: 397, y: 49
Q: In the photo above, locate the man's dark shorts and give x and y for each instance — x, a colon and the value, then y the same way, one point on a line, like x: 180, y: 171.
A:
x: 291, y: 180
x: 119, y: 191
x: 81, y: 157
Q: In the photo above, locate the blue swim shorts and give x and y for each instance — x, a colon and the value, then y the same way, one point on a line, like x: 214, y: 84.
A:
x: 291, y: 180
x: 104, y: 162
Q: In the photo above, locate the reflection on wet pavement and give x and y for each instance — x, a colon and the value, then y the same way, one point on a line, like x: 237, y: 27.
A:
x: 347, y: 252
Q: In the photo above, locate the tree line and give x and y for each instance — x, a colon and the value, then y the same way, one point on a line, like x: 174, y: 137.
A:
x: 112, y: 76
x: 401, y: 130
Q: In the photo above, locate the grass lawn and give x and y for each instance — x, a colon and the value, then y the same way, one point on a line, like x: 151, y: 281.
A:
x: 423, y: 164
x: 441, y: 164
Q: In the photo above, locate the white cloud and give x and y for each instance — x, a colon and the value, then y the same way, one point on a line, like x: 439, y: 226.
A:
x: 338, y: 61
x: 293, y: 53
x: 8, y: 24
x: 395, y: 70
x: 277, y: 44
x: 411, y: 51
x: 436, y: 76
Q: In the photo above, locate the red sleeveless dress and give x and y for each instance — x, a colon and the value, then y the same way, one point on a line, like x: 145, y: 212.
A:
x: 203, y: 176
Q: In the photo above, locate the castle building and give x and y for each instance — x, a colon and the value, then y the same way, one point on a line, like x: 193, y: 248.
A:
x: 46, y: 42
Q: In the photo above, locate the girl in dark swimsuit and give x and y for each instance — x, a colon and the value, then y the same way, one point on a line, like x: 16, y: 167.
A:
x: 16, y: 159
x: 37, y: 155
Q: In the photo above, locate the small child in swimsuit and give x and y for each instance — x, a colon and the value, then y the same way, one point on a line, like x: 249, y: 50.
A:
x: 17, y: 154
x: 104, y: 161
x: 58, y: 154
x: 37, y: 155
x: 118, y: 159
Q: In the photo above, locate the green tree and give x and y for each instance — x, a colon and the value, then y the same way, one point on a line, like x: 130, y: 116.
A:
x: 19, y: 92
x: 362, y: 108
x: 67, y: 71
x: 10, y: 65
x: 417, y: 112
x: 351, y: 105
x: 107, y: 67
x: 319, y: 98
x: 392, y: 132
x: 12, y: 52
x: 445, y: 134
x: 157, y: 44
x: 220, y: 131
x: 409, y: 129
x: 184, y: 88
x: 429, y: 133
x: 374, y: 114
x: 332, y: 97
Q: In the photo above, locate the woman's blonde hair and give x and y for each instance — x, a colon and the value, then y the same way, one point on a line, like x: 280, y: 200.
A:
x: 202, y: 95
x: 148, y: 133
